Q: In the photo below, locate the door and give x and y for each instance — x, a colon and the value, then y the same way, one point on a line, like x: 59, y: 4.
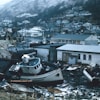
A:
x: 72, y: 60
x: 65, y: 57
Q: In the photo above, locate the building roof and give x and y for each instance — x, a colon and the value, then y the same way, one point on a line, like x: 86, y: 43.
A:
x: 47, y: 46
x: 92, y: 37
x: 80, y: 48
x: 70, y: 36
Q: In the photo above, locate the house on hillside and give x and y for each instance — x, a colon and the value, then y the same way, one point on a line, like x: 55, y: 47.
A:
x: 32, y: 32
x: 85, y: 54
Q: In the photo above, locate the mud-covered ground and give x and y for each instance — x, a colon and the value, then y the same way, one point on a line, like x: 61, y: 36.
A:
x: 14, y: 96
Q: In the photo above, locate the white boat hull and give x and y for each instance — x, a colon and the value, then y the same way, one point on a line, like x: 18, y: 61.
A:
x: 55, y: 75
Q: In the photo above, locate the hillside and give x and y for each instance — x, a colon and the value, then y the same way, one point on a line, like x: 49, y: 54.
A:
x: 18, y: 7
x: 53, y: 15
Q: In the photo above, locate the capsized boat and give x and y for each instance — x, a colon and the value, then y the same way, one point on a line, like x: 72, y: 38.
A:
x: 31, y: 69
x: 92, y: 74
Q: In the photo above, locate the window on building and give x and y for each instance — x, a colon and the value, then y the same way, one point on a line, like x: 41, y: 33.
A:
x: 63, y: 41
x: 90, y: 57
x: 79, y: 56
x: 77, y: 42
x: 58, y: 40
x: 66, y: 41
x: 84, y: 57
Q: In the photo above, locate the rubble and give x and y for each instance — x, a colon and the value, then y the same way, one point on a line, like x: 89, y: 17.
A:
x: 63, y: 91
x: 74, y: 87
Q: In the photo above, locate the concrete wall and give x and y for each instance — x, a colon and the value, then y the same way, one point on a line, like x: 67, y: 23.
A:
x: 95, y: 58
x: 43, y: 53
x: 91, y: 42
x: 66, y: 41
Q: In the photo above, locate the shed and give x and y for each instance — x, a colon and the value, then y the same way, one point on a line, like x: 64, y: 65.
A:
x: 85, y: 54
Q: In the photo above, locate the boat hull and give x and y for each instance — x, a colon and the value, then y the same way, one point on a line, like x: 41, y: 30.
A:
x: 49, y: 78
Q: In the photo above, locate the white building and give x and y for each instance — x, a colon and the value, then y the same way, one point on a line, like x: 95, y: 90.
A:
x: 72, y: 54
x: 69, y: 38
x: 33, y: 32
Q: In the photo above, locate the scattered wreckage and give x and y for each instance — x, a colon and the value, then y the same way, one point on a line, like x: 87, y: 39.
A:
x: 92, y: 74
x: 31, y: 70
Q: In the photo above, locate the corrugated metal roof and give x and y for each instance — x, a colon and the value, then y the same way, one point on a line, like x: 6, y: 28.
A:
x: 80, y: 48
x: 70, y: 36
x: 48, y: 46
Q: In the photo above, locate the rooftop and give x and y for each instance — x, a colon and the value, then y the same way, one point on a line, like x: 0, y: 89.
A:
x: 80, y: 48
x: 70, y: 36
x: 47, y: 46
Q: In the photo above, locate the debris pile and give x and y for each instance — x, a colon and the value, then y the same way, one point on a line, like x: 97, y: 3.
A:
x: 63, y: 91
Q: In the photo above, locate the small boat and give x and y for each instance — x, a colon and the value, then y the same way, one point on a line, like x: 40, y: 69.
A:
x: 32, y: 70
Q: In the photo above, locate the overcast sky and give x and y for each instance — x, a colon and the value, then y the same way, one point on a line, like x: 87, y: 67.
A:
x: 4, y: 1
